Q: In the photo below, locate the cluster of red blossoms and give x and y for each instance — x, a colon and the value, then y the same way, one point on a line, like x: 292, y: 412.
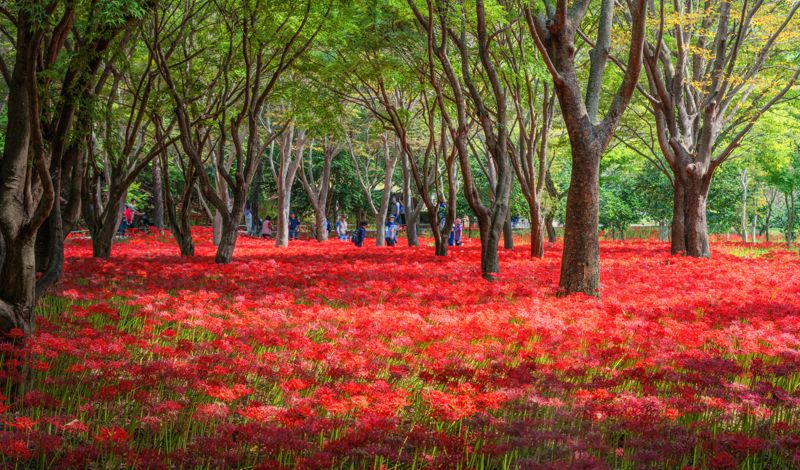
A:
x: 322, y: 355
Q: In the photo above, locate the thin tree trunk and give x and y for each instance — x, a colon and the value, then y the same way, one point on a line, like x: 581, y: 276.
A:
x: 508, y: 233
x: 158, y: 196
x: 549, y: 220
x: 537, y: 231
x: 789, y: 199
x: 744, y: 205
x: 282, y: 230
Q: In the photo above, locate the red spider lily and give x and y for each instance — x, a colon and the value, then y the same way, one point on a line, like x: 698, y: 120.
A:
x: 327, y: 355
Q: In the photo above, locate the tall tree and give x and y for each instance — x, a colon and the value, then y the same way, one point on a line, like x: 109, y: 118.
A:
x: 41, y: 109
x: 477, y: 68
x: 702, y: 72
x: 318, y: 188
x: 261, y: 40
x: 124, y: 148
x: 554, y: 31
x: 290, y: 158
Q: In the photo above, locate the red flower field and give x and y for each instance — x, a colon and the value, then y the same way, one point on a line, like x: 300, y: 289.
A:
x: 324, y: 355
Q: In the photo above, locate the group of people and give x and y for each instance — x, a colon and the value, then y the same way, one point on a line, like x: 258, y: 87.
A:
x: 267, y: 230
x: 454, y: 239
x: 358, y: 235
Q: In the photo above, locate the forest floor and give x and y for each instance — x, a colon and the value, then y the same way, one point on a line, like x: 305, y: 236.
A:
x: 322, y: 355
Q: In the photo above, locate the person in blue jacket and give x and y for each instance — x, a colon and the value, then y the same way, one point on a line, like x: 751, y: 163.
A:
x: 391, y: 232
x: 455, y: 234
x: 294, y: 224
x: 360, y: 234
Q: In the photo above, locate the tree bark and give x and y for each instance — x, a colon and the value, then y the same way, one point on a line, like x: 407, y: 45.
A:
x: 580, y: 265
x: 321, y: 226
x: 788, y: 198
x: 744, y: 205
x: 678, y: 226
x: 158, y: 197
x: 508, y: 233
x: 227, y: 242
x: 696, y: 226
x: 537, y: 231
x: 105, y: 228
x: 549, y: 220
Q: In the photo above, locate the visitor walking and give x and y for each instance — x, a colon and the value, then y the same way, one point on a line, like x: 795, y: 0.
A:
x: 294, y: 225
x: 391, y: 232
x: 441, y: 212
x: 341, y: 228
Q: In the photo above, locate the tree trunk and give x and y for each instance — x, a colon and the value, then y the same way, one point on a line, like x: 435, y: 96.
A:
x: 412, y: 218
x: 678, y: 227
x: 549, y: 220
x: 744, y: 205
x: 18, y: 289
x: 490, y: 240
x: 537, y: 230
x: 103, y: 234
x: 789, y: 200
x: 580, y: 265
x: 227, y: 243
x: 321, y: 225
x: 158, y: 196
x: 508, y: 233
x: 380, y: 228
x: 440, y: 243
x: 696, y: 226
x: 282, y: 230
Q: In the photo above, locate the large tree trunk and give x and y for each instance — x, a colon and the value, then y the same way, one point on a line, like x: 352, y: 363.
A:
x: 696, y: 225
x: 440, y: 242
x: 580, y: 265
x: 18, y: 289
x: 537, y: 231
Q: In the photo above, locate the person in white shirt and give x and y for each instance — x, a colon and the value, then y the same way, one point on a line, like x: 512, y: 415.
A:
x: 341, y: 228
